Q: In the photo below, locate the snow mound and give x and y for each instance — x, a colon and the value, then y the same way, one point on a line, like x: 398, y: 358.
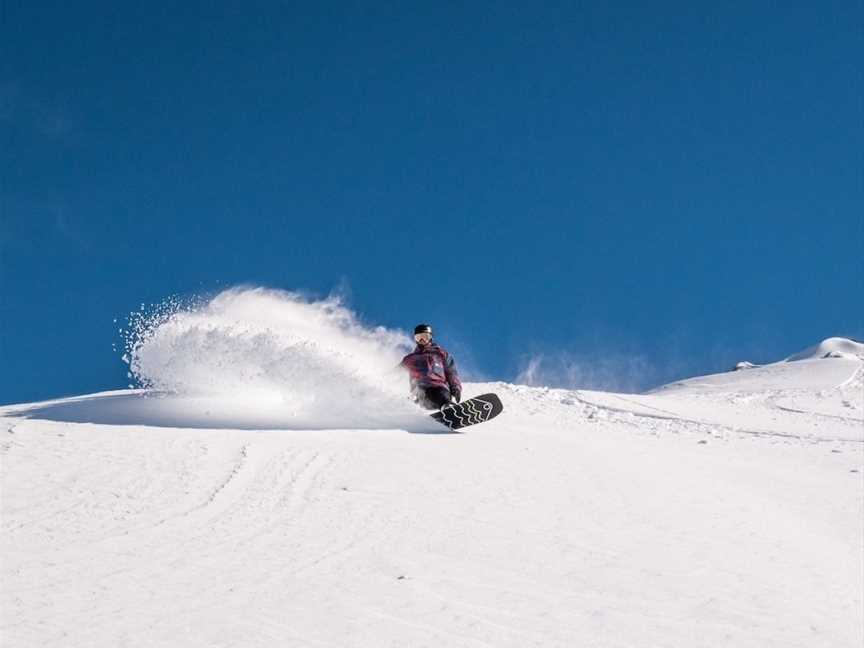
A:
x: 741, y: 366
x: 834, y: 347
x: 259, y: 356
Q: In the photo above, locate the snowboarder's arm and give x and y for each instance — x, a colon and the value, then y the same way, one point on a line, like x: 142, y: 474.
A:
x: 452, y: 376
x: 411, y: 373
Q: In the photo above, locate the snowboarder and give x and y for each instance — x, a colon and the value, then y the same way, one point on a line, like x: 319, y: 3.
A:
x: 432, y: 371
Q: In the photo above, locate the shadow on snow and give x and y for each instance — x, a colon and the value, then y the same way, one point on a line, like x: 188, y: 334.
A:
x: 174, y: 411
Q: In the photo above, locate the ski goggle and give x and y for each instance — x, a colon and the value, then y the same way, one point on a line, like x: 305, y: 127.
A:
x: 423, y: 336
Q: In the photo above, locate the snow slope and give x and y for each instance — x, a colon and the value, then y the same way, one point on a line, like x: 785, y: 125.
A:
x: 719, y: 511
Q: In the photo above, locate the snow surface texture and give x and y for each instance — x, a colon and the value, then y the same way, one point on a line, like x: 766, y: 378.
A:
x: 719, y: 511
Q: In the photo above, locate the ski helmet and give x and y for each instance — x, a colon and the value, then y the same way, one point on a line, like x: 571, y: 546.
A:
x: 422, y: 328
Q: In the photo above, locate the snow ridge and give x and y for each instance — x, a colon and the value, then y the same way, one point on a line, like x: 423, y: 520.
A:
x: 834, y: 347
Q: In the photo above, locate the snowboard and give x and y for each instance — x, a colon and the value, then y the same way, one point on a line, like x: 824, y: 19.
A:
x: 469, y: 412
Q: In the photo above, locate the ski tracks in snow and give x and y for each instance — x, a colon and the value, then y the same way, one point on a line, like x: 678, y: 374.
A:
x: 834, y: 414
x: 192, y: 515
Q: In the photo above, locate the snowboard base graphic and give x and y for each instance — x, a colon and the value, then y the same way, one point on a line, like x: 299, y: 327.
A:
x: 469, y: 412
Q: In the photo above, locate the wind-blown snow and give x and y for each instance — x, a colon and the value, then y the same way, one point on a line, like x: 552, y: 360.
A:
x: 258, y: 357
x: 718, y: 511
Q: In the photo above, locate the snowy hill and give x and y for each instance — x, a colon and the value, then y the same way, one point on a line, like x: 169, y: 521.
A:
x: 832, y: 348
x: 722, y: 510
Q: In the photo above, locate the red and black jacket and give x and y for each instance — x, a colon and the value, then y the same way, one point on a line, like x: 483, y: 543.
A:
x: 432, y: 366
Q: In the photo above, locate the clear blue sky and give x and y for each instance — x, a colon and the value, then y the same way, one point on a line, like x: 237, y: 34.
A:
x: 676, y: 182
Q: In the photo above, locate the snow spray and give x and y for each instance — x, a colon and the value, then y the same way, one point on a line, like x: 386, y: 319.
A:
x: 255, y: 349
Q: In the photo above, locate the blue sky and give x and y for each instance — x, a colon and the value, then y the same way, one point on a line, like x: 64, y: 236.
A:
x: 660, y: 190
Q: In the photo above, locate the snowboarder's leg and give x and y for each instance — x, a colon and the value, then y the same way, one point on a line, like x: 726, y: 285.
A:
x: 433, y: 397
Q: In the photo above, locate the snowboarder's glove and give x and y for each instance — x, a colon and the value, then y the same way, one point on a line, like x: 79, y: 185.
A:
x: 456, y: 395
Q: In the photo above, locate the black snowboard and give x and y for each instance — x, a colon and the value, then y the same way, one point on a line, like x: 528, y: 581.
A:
x: 470, y: 412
